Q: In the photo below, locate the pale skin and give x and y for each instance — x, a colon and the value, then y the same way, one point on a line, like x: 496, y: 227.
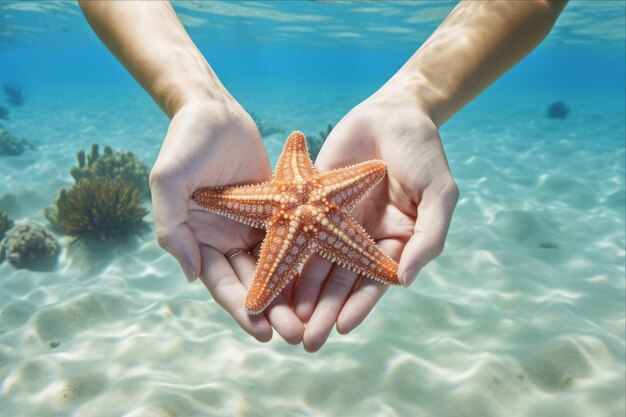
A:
x: 212, y: 141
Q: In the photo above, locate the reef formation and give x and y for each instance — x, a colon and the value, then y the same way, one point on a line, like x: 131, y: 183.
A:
x: 5, y: 224
x: 112, y: 164
x: 14, y: 94
x: 265, y: 128
x: 99, y: 209
x: 12, y: 145
x: 557, y: 110
x: 315, y: 143
x: 29, y: 246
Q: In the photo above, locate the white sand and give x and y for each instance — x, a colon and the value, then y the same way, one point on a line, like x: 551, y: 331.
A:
x: 497, y: 326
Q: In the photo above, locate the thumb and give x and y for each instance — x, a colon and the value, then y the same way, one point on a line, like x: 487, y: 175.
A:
x: 433, y: 220
x: 171, y: 210
x: 182, y: 244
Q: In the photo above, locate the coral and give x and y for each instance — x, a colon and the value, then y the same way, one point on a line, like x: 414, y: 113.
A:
x: 314, y: 143
x: 5, y: 224
x: 30, y: 247
x: 112, y: 164
x: 4, y: 113
x: 557, y: 110
x: 265, y: 128
x: 99, y: 209
x: 548, y: 245
x: 14, y: 94
x: 12, y: 145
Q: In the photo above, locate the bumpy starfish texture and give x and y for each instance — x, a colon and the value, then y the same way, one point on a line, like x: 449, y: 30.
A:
x: 302, y: 212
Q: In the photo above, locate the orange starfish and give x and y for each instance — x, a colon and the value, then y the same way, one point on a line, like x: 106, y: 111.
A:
x: 303, y: 212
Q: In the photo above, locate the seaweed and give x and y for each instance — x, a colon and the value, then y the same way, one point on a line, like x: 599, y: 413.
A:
x: 14, y: 94
x: 314, y: 143
x: 557, y: 110
x: 99, y: 209
x: 265, y: 128
x: 112, y: 164
x: 13, y: 145
x: 29, y: 246
x: 5, y: 224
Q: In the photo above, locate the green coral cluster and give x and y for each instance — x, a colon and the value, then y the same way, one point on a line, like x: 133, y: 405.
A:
x: 112, y: 164
x: 99, y: 209
x: 5, y: 224
x: 31, y: 247
x: 106, y: 202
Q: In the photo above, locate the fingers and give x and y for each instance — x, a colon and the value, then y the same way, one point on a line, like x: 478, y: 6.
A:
x: 221, y: 280
x: 345, y: 302
x: 433, y: 220
x: 359, y: 304
x: 366, y: 294
x: 314, y: 273
x: 287, y: 293
x: 279, y: 313
x: 331, y: 300
x: 284, y: 320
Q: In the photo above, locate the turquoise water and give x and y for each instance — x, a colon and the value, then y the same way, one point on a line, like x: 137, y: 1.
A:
x: 522, y: 315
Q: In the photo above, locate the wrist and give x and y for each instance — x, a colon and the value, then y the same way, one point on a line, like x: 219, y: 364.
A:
x: 416, y: 89
x: 193, y: 89
x: 214, y: 112
x: 408, y: 90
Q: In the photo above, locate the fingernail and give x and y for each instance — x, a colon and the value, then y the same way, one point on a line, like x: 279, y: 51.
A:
x: 344, y: 330
x: 189, y: 272
x: 410, y: 275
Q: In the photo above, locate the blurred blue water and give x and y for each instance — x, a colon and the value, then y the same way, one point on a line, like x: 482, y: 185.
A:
x: 53, y: 48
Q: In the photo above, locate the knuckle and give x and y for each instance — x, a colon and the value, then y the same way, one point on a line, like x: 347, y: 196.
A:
x: 160, y: 176
x: 344, y: 278
x: 328, y: 306
x: 437, y: 248
x: 164, y: 238
x: 312, y: 280
x: 155, y: 177
x: 222, y: 284
x: 452, y: 190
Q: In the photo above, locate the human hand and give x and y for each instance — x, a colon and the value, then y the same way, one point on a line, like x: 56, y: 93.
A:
x: 212, y: 144
x: 407, y: 214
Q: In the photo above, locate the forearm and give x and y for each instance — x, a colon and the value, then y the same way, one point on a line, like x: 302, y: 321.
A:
x: 477, y: 43
x: 149, y: 40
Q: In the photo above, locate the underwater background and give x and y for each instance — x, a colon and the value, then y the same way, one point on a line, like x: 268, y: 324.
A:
x: 522, y: 315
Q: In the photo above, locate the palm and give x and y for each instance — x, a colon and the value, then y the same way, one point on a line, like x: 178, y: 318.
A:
x: 412, y: 152
x: 209, y: 153
x: 408, y: 142
x: 204, y: 148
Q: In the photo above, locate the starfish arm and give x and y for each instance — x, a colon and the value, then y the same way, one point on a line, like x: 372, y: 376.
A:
x: 249, y: 204
x: 345, y: 187
x: 294, y: 163
x: 344, y: 241
x: 284, y: 249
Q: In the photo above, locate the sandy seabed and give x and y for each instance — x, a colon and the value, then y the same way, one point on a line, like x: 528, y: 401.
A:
x: 523, y: 314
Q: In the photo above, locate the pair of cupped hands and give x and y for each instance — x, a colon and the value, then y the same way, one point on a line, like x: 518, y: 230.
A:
x: 214, y: 142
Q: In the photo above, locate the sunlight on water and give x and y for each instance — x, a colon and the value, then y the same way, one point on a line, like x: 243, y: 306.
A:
x: 522, y: 315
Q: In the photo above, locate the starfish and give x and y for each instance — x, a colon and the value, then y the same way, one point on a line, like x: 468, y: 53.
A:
x: 302, y: 212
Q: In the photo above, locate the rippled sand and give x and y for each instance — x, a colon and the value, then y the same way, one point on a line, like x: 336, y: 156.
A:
x: 523, y: 314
